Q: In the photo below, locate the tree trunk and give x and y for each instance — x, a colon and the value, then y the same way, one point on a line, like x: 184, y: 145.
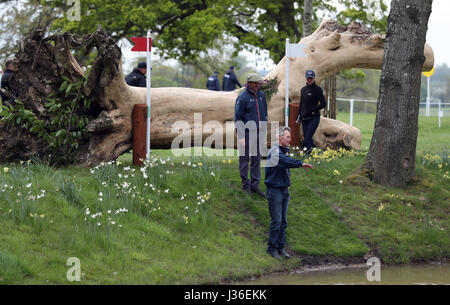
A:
x: 307, y: 18
x: 392, y: 153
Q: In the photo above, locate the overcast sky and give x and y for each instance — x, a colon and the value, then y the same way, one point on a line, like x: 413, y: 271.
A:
x: 439, y: 31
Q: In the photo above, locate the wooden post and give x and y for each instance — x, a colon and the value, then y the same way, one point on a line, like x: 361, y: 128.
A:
x: 139, y: 133
x: 295, y: 128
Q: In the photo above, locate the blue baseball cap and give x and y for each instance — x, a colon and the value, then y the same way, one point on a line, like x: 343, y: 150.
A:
x: 310, y: 73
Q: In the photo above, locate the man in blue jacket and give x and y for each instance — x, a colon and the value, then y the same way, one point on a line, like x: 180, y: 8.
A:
x: 230, y: 80
x: 138, y: 78
x: 250, y: 118
x: 277, y: 182
x: 213, y: 82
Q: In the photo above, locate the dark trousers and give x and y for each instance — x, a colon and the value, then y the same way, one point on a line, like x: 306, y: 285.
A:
x: 278, y: 205
x: 309, y: 128
x: 254, y: 155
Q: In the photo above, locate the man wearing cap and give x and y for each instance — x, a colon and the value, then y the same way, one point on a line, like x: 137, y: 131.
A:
x: 137, y: 78
x: 230, y: 80
x: 250, y: 118
x: 213, y: 82
x: 312, y: 101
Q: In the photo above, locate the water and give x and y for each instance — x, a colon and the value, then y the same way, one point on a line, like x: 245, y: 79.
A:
x: 430, y: 274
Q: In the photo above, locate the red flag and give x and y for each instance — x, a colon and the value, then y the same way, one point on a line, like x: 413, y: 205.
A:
x: 141, y: 44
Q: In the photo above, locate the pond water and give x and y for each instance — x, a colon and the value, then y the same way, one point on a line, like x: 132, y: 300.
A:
x: 428, y: 274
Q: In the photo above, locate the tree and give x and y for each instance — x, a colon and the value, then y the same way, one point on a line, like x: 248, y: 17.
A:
x: 183, y: 30
x: 307, y: 18
x: 392, y: 153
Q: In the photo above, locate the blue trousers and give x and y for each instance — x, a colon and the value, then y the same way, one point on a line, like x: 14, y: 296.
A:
x: 278, y: 205
x: 309, y: 128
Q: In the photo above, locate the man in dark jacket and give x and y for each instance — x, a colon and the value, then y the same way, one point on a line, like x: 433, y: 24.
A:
x: 312, y: 101
x: 137, y: 78
x: 277, y: 183
x: 5, y: 81
x: 230, y: 80
x: 250, y: 118
x: 213, y: 82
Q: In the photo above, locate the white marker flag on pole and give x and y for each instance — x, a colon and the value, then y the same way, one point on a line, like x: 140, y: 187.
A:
x: 296, y: 50
x: 292, y: 50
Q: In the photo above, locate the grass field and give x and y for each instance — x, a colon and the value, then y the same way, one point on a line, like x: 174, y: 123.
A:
x: 431, y: 138
x: 184, y: 220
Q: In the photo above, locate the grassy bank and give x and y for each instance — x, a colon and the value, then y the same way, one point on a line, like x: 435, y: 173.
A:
x: 183, y: 220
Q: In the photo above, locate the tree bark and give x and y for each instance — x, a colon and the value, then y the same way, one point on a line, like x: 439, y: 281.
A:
x: 392, y: 152
x: 307, y: 18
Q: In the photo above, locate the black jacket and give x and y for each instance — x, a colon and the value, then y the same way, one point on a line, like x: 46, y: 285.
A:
x: 5, y: 83
x: 230, y: 81
x: 213, y: 83
x: 312, y: 101
x: 136, y: 79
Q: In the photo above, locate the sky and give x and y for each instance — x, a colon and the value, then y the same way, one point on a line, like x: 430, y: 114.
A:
x: 437, y: 37
x: 438, y: 31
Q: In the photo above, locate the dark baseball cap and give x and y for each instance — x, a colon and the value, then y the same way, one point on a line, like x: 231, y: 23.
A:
x: 232, y: 67
x: 310, y: 73
x: 142, y: 65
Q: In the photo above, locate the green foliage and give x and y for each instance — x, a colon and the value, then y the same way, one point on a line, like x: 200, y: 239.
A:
x: 270, y: 88
x: 70, y: 191
x: 65, y: 127
x: 184, y: 30
x: 372, y: 14
x: 11, y: 269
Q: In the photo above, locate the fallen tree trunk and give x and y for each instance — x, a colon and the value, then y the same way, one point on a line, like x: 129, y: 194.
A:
x: 44, y: 63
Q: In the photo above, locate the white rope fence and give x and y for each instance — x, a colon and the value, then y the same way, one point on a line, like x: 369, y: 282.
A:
x: 435, y: 108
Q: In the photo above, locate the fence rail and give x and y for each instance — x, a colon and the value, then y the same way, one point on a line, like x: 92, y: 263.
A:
x: 436, y: 108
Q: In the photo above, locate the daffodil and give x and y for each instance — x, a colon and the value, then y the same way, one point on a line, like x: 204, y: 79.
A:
x: 381, y: 207
x: 5, y: 169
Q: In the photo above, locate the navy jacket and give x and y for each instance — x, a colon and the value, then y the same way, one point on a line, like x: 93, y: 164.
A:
x: 312, y: 101
x: 230, y: 81
x: 277, y: 170
x: 136, y: 79
x: 251, y: 106
x: 5, y: 83
x: 213, y: 83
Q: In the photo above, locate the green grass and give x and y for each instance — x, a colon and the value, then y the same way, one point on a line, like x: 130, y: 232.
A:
x: 431, y: 137
x: 216, y: 231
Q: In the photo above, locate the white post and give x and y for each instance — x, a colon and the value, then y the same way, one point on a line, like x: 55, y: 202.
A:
x: 286, y: 119
x: 440, y: 114
x: 427, y: 110
x: 351, y: 112
x: 149, y: 99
